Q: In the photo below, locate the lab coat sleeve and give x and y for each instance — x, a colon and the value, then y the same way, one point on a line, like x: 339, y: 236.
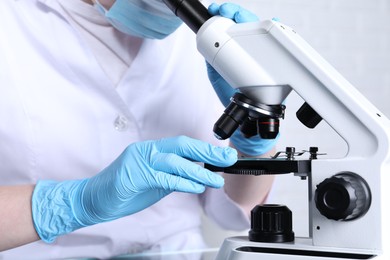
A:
x: 224, y: 211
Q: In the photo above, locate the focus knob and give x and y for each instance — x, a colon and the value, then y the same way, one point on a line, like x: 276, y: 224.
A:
x: 271, y: 223
x: 345, y: 196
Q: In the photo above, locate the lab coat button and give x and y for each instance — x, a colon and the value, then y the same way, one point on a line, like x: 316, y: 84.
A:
x: 121, y: 123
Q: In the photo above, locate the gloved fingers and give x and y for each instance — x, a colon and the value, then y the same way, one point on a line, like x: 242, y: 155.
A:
x: 175, y: 165
x: 221, y: 87
x: 197, y: 150
x: 131, y: 205
x: 169, y: 182
x: 233, y: 11
x: 245, y: 16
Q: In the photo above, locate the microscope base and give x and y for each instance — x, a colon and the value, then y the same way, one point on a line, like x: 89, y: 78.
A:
x: 240, y: 248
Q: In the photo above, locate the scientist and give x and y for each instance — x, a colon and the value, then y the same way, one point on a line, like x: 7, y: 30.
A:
x: 104, y: 108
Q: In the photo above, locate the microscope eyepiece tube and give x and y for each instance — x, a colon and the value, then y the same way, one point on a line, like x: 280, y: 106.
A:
x: 191, y: 12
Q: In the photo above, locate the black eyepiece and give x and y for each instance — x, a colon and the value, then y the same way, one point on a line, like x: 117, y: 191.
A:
x: 191, y: 12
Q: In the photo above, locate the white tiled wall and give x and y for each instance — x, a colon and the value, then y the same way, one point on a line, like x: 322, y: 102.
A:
x: 353, y: 36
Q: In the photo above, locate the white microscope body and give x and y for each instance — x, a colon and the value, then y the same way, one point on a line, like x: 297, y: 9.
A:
x: 348, y: 216
x: 265, y: 60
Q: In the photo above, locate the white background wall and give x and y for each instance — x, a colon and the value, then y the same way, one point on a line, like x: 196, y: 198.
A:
x: 353, y: 36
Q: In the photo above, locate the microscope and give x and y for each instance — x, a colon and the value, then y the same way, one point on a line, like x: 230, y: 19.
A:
x: 265, y: 61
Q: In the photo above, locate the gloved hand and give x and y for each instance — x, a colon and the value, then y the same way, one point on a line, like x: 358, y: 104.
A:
x: 255, y: 145
x: 142, y: 175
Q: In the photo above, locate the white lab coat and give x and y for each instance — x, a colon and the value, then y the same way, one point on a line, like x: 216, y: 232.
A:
x: 61, y: 118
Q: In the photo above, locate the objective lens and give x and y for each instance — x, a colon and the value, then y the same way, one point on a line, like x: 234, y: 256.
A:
x: 268, y: 127
x: 249, y: 127
x: 254, y: 118
x: 231, y: 119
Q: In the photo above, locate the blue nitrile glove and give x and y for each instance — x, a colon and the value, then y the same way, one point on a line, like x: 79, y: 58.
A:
x: 255, y: 145
x: 142, y: 175
x: 232, y: 11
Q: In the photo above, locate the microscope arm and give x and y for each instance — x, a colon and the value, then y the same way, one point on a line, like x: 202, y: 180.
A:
x: 265, y: 60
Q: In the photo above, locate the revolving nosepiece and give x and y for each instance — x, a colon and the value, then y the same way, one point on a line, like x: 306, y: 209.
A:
x: 253, y: 117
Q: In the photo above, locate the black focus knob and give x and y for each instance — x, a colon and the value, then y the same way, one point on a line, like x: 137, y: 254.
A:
x: 308, y: 116
x: 271, y: 223
x: 345, y: 196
